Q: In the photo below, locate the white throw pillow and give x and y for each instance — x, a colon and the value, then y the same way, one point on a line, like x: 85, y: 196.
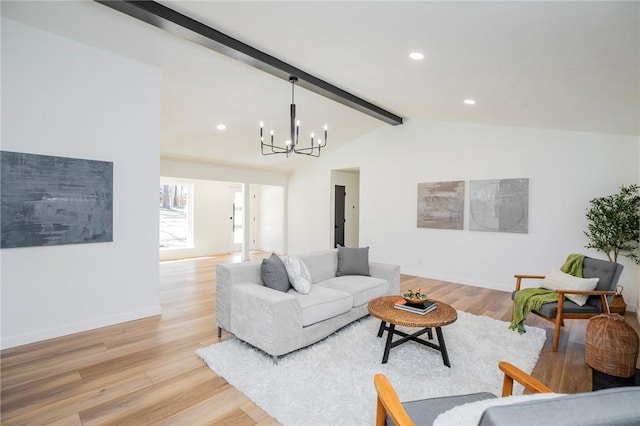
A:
x: 469, y: 414
x: 299, y: 275
x: 558, y: 280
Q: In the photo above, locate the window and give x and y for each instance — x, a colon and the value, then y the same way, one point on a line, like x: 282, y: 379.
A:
x: 176, y: 216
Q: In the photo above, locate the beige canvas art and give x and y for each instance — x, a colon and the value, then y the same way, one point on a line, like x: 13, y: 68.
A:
x: 441, y: 205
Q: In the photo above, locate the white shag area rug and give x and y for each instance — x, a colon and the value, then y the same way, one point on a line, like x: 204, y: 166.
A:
x: 331, y: 382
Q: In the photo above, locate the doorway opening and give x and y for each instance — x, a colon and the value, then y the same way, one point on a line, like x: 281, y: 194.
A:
x: 345, y: 207
x: 339, y: 215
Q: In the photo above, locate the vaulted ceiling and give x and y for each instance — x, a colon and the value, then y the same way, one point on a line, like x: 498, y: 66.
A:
x: 558, y: 65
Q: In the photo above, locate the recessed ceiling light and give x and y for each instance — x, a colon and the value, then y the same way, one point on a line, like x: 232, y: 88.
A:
x: 469, y: 102
x: 416, y: 56
x: 221, y: 127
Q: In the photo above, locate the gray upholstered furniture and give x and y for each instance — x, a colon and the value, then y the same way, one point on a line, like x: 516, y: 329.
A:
x: 280, y: 322
x: 617, y: 406
x: 597, y: 302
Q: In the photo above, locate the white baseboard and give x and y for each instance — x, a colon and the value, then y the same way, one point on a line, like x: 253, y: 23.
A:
x: 461, y: 280
x: 64, y: 330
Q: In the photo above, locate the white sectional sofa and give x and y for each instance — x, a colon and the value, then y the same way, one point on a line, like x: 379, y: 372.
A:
x: 280, y: 322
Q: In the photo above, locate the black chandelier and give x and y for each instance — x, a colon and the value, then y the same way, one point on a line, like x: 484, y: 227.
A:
x: 291, y: 146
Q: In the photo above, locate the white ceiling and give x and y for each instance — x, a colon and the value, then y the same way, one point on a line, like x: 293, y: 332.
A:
x: 558, y: 65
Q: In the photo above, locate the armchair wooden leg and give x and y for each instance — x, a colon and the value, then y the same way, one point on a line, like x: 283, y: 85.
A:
x: 558, y: 325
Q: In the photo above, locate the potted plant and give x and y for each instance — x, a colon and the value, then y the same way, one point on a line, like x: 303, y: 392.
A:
x: 614, y: 228
x: 614, y: 224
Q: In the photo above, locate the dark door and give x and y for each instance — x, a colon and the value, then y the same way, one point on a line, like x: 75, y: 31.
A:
x: 339, y: 216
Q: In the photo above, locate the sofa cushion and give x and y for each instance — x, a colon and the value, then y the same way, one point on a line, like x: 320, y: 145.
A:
x: 470, y: 412
x: 322, y: 265
x: 362, y: 288
x: 428, y: 410
x: 353, y: 261
x: 606, y: 271
x: 568, y: 307
x: 617, y: 406
x: 299, y: 275
x: 274, y: 274
x: 322, y: 303
x: 558, y: 280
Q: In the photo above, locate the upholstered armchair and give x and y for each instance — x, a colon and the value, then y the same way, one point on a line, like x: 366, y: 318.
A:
x: 617, y: 406
x: 597, y: 302
x: 425, y: 411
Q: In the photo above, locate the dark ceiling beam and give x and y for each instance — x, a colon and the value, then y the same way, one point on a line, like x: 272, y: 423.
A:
x: 178, y: 24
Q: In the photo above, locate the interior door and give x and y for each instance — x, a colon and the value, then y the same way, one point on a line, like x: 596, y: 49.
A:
x: 236, y: 218
x: 339, y: 215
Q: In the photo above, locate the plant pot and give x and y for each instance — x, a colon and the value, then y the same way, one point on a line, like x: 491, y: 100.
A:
x: 618, y: 305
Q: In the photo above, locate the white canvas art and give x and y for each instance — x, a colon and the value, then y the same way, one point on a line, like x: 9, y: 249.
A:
x: 499, y: 205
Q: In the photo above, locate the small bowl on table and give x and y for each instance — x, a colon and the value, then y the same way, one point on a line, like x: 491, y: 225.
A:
x: 414, y: 298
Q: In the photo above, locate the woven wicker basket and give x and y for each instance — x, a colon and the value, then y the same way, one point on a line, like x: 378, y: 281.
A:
x: 611, y: 345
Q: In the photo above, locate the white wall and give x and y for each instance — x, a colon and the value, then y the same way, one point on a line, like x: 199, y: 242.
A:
x: 309, y: 222
x: 270, y: 218
x: 206, y: 171
x: 67, y: 99
x: 566, y: 170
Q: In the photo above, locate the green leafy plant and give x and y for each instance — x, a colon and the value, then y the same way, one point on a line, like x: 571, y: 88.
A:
x: 614, y: 224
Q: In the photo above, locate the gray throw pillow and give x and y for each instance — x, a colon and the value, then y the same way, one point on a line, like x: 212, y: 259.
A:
x: 353, y: 261
x: 274, y: 274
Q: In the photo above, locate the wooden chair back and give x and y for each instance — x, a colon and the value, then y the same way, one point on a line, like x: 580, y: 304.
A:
x: 389, y: 403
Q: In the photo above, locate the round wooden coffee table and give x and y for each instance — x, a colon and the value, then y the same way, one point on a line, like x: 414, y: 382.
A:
x: 382, y: 308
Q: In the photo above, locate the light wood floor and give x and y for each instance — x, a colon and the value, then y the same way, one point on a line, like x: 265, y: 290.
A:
x: 146, y: 372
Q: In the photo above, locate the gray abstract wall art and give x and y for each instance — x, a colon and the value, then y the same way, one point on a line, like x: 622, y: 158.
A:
x: 46, y: 200
x: 441, y: 205
x: 499, y: 205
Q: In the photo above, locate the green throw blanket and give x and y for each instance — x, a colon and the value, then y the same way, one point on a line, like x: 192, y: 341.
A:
x: 573, y: 265
x: 527, y: 300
